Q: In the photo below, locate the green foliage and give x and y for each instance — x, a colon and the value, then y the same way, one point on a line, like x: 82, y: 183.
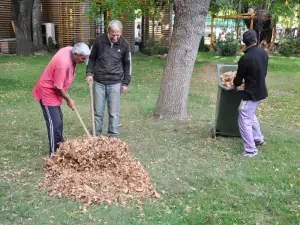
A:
x: 229, y: 46
x: 51, y: 45
x: 276, y: 8
x: 132, y: 8
x: 149, y: 48
x: 153, y: 48
x: 161, y: 49
x: 282, y: 8
x: 73, y: 42
x: 288, y: 45
x: 206, y: 48
x: 223, y: 5
x: 297, y: 44
x: 90, y: 42
x: 201, y: 45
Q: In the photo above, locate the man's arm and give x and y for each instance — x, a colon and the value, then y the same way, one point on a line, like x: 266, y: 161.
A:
x: 127, y: 66
x: 66, y: 97
x: 60, y: 75
x: 240, y: 73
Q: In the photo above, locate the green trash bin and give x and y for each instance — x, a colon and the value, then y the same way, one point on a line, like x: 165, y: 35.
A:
x: 228, y: 101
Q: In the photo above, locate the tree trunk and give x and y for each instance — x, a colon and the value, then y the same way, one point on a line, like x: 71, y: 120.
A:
x: 21, y: 14
x: 153, y: 27
x: 187, y: 31
x: 146, y: 27
x: 36, y: 26
x: 264, y: 5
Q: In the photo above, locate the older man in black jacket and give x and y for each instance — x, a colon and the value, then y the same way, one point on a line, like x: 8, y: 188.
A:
x: 110, y: 67
x: 252, y: 68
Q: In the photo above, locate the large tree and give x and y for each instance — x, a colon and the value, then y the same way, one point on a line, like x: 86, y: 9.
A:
x: 21, y: 14
x: 36, y: 26
x: 188, y: 29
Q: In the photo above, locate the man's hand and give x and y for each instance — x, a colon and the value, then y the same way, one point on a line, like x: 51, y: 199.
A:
x: 67, y: 98
x: 124, y: 89
x: 71, y: 104
x: 89, y: 79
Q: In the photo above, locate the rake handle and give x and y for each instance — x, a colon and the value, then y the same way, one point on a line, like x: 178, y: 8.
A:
x: 84, y: 127
x: 92, y: 109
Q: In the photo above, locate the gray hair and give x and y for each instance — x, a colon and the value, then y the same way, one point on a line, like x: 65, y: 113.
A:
x: 81, y: 49
x: 115, y: 25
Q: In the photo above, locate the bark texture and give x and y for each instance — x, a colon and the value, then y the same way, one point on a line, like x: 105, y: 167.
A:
x: 21, y: 14
x: 36, y: 26
x: 187, y: 31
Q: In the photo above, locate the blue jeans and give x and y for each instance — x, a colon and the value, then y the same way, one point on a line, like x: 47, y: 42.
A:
x: 111, y: 94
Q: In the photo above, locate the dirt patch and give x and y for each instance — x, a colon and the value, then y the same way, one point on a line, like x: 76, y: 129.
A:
x: 10, y: 63
x: 282, y: 92
x: 209, y: 73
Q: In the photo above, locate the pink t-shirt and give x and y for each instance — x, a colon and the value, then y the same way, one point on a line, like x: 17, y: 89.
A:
x: 59, y: 73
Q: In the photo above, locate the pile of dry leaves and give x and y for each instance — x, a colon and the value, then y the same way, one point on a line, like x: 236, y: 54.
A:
x: 108, y: 174
x: 227, y: 79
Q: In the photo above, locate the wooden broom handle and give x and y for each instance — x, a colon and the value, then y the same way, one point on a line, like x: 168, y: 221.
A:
x: 92, y: 109
x: 84, y: 127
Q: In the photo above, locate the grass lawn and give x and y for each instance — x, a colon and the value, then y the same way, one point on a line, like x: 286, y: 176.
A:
x: 203, y: 180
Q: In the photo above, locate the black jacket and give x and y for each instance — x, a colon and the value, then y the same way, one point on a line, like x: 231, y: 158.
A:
x: 252, y: 67
x: 110, y: 63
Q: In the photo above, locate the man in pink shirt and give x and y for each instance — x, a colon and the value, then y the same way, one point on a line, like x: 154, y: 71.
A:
x: 53, y: 86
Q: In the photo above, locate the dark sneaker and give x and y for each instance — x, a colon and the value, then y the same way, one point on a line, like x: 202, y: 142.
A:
x: 260, y: 143
x: 250, y: 154
x: 114, y: 136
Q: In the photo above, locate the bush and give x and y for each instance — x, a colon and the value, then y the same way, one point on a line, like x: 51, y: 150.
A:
x: 201, y: 45
x: 161, y: 49
x: 73, y: 42
x: 288, y: 46
x: 297, y: 45
x: 149, y: 48
x: 206, y: 48
x: 90, y: 42
x: 51, y: 45
x: 229, y: 46
x: 153, y: 48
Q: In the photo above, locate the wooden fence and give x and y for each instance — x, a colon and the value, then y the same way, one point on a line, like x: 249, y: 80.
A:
x: 6, y: 30
x: 70, y: 20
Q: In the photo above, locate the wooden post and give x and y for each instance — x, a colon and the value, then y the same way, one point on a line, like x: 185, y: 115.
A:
x: 146, y: 27
x: 252, y: 16
x: 13, y: 26
x: 211, y: 34
x: 272, y: 44
x: 237, y: 28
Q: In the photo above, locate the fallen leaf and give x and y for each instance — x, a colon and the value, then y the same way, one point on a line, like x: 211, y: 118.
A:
x: 107, y: 175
